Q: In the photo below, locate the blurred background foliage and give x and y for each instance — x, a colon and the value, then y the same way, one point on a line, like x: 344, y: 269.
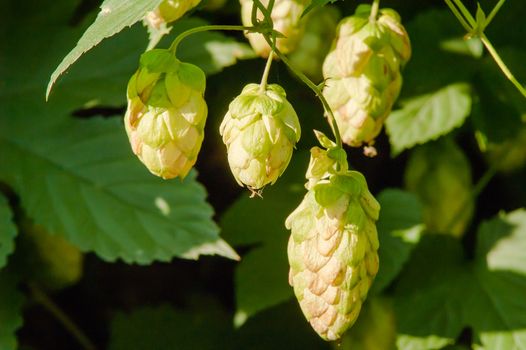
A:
x: 97, y: 253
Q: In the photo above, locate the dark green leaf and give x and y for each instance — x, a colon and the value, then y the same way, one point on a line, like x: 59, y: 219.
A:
x: 8, y: 231
x: 399, y: 229
x: 93, y: 191
x: 428, y: 117
x: 11, y: 302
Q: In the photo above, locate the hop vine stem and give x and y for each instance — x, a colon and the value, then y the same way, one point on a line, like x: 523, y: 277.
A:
x: 43, y: 299
x: 374, y: 11
x: 195, y: 30
x: 470, y: 25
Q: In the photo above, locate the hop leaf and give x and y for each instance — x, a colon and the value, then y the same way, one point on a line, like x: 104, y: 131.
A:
x: 286, y: 16
x: 166, y: 113
x: 440, y: 175
x: 169, y: 11
x: 260, y: 131
x: 333, y: 251
x: 362, y: 73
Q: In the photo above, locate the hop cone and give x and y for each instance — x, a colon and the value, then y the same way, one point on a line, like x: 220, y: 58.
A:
x: 169, y: 11
x: 315, y: 43
x: 49, y: 259
x: 286, y: 15
x: 440, y: 175
x: 363, y: 73
x: 509, y: 155
x: 260, y: 131
x: 333, y: 251
x: 166, y: 113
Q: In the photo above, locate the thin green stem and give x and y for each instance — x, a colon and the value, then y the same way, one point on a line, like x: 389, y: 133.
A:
x: 184, y: 34
x: 40, y: 297
x: 494, y: 12
x: 263, y: 84
x: 501, y: 64
x: 374, y: 11
x: 465, y: 12
x: 458, y: 15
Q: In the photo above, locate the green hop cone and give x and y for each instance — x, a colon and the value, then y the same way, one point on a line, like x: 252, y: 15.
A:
x: 169, y: 11
x: 286, y: 16
x: 440, y: 175
x: 166, y: 113
x: 508, y: 155
x: 320, y: 28
x: 49, y: 259
x: 333, y: 249
x: 362, y: 73
x: 260, y: 131
x: 374, y: 330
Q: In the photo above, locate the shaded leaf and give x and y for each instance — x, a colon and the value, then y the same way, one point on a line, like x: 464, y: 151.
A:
x: 93, y: 191
x: 11, y: 301
x: 428, y: 117
x: 399, y: 229
x: 8, y: 231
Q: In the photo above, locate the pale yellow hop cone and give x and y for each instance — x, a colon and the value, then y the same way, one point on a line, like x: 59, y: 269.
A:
x: 440, y: 175
x: 333, y: 250
x: 166, y: 113
x: 362, y: 73
x: 169, y: 11
x: 320, y: 28
x: 286, y: 16
x: 260, y: 131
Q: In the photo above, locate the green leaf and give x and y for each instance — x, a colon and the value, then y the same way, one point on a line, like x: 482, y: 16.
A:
x: 431, y: 294
x: 262, y: 276
x: 8, y: 231
x: 498, y: 315
x: 113, y: 17
x: 399, y: 229
x: 94, y: 192
x: 11, y: 301
x: 440, y: 292
x: 428, y: 117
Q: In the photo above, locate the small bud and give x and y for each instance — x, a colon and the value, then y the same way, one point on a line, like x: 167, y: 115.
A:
x: 166, y: 113
x: 362, y: 73
x: 260, y: 131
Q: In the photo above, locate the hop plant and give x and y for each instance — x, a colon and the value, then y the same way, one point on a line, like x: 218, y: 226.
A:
x: 320, y: 28
x: 169, y: 11
x: 260, y: 131
x: 439, y: 173
x: 286, y: 16
x: 166, y: 113
x: 362, y: 73
x: 333, y: 246
x: 508, y: 155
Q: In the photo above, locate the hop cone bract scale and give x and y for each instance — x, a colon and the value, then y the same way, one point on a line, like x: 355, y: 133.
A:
x: 333, y: 251
x: 362, y: 73
x: 166, y: 113
x: 169, y: 11
x: 260, y: 131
